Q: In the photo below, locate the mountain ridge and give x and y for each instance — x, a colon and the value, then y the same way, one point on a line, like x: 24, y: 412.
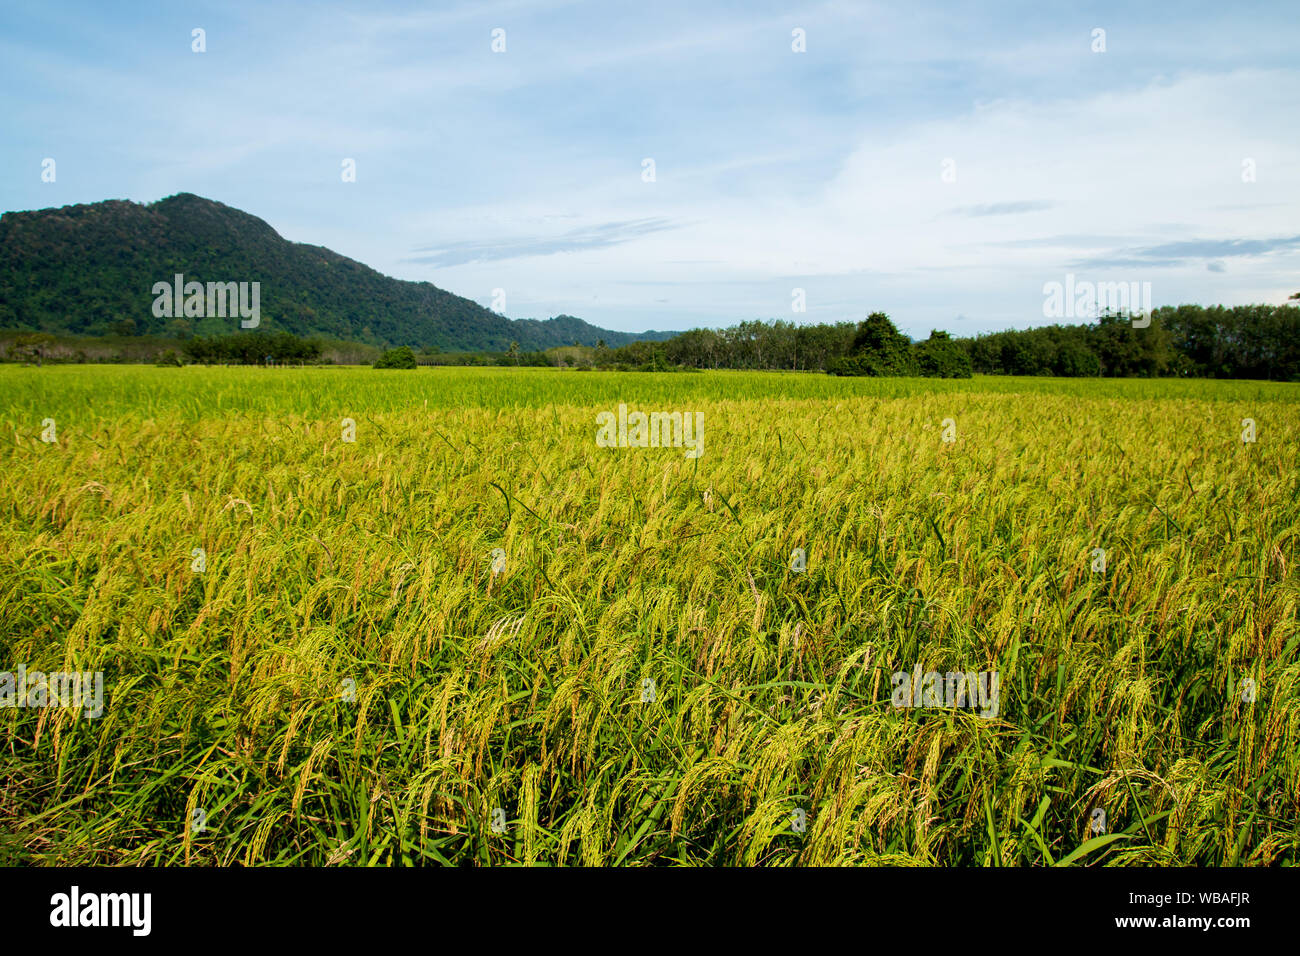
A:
x: 89, y: 268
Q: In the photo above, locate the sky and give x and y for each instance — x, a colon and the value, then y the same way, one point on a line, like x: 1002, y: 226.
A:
x: 941, y: 163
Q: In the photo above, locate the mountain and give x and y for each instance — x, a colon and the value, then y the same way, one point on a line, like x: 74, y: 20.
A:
x: 90, y: 269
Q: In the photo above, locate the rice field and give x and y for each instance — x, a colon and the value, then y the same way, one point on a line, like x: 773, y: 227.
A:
x: 453, y: 629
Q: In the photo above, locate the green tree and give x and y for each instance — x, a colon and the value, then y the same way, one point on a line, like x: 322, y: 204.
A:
x: 940, y: 357
x: 401, y: 357
x: 878, y: 348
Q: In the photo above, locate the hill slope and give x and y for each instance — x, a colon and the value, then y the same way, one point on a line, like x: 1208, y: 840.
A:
x: 85, y: 269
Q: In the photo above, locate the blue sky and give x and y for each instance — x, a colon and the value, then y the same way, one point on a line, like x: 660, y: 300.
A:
x: 1173, y: 157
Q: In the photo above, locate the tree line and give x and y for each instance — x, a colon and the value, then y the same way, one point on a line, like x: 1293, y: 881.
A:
x: 1248, y: 341
x: 873, y: 346
x: 252, y: 348
x: 1252, y: 341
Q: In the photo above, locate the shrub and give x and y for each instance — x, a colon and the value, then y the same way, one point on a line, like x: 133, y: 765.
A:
x: 169, y: 358
x: 401, y: 357
x: 878, y: 349
x: 940, y: 357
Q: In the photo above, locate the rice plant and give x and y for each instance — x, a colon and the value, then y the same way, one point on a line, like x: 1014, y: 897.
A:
x: 461, y: 632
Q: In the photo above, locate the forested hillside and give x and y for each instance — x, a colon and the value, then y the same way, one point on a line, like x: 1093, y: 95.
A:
x: 89, y: 270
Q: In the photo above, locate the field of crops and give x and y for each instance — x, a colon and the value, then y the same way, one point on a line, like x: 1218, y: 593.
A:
x: 470, y: 635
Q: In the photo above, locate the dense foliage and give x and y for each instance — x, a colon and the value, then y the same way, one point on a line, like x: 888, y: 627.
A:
x: 252, y: 348
x: 1252, y: 341
x: 871, y: 347
x: 400, y: 357
x: 749, y: 345
x: 940, y: 356
x: 1249, y: 341
x: 878, y: 348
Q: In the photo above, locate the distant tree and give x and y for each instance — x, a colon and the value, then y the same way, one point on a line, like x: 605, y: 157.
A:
x: 401, y: 357
x: 940, y: 357
x: 878, y: 348
x: 251, y: 348
x: 1127, y: 351
x: 657, y: 360
x: 32, y: 347
x: 1075, y: 359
